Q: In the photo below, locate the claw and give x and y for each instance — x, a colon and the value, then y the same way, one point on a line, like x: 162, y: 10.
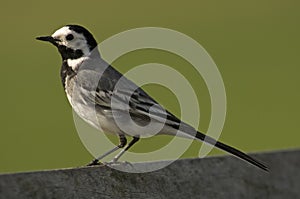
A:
x: 94, y: 163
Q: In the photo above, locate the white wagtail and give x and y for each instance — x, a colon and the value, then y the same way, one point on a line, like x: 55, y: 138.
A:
x: 101, y: 95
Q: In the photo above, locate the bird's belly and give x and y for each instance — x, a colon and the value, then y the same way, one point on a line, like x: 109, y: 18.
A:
x: 87, y: 111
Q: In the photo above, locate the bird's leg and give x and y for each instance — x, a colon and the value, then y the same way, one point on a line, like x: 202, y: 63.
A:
x: 131, y: 143
x: 123, y: 142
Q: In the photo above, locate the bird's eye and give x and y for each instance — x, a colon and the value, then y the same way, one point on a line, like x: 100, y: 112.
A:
x: 69, y: 37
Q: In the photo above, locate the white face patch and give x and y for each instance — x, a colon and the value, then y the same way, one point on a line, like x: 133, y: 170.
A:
x: 78, y: 42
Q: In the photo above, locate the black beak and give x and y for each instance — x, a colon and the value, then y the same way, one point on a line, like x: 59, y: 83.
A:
x: 48, y: 39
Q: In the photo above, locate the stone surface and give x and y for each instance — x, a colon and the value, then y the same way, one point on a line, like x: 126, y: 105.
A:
x: 215, y: 177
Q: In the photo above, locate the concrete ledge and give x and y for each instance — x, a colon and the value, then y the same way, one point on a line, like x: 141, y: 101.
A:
x: 213, y: 178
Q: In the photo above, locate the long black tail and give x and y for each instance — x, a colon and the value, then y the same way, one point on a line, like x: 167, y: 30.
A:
x: 231, y: 150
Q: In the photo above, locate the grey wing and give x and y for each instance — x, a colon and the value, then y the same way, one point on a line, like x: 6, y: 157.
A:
x: 110, y: 90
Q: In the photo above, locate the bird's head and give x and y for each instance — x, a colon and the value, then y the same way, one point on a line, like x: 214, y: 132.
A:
x: 72, y: 41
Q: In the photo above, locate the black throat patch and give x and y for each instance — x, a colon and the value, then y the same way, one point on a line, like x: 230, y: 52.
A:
x: 68, y: 53
x: 66, y: 72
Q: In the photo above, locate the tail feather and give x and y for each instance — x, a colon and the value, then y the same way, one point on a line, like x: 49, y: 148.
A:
x: 231, y: 150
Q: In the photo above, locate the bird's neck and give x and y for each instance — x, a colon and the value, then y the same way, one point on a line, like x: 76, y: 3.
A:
x: 66, y: 72
x: 71, y: 66
x: 75, y: 64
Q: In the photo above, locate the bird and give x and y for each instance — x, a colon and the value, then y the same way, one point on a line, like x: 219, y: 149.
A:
x: 104, y: 98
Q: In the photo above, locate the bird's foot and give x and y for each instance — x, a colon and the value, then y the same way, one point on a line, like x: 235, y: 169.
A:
x: 117, y: 163
x: 94, y: 163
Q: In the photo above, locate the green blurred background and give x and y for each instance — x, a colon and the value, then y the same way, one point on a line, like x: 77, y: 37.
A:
x: 255, y: 44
